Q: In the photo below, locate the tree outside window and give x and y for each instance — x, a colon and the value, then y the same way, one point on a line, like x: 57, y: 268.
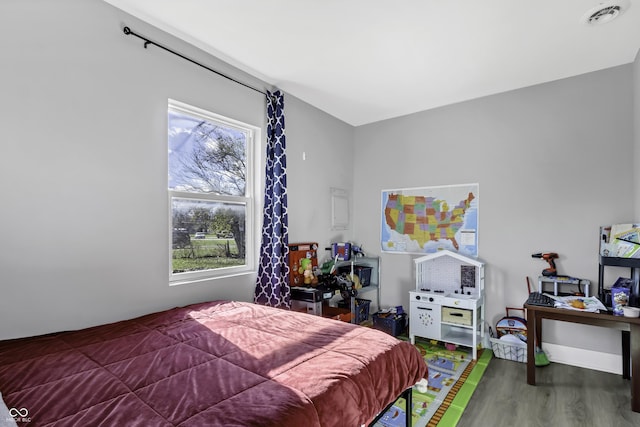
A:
x: 210, y: 179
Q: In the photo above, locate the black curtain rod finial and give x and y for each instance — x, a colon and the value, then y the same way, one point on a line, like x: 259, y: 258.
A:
x: 126, y: 30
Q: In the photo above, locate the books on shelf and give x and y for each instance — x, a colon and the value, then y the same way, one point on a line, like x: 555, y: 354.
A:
x: 620, y: 241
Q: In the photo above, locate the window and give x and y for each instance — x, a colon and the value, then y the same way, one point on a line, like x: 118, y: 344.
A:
x: 211, y: 194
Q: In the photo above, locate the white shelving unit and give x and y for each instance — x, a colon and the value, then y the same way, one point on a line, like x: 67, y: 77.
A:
x: 371, y: 292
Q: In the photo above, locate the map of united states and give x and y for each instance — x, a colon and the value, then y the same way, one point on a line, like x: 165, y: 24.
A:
x: 426, y: 219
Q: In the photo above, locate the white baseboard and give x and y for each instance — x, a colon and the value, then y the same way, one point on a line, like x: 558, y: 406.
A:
x: 599, y: 361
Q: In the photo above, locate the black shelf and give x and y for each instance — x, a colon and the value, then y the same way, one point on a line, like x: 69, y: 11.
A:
x: 632, y: 263
x: 620, y: 262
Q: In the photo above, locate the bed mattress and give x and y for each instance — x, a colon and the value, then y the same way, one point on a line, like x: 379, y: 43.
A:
x: 220, y: 363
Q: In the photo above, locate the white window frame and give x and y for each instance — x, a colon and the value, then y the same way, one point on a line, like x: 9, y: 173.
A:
x: 250, y: 200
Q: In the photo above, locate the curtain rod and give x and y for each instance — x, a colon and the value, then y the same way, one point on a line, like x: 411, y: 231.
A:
x: 147, y: 42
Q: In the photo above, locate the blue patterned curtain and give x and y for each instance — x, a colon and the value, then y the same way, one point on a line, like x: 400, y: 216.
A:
x: 272, y: 287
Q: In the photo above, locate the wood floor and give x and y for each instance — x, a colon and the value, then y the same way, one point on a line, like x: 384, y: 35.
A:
x: 563, y: 396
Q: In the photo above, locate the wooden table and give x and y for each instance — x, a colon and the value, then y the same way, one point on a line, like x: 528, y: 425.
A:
x: 629, y: 326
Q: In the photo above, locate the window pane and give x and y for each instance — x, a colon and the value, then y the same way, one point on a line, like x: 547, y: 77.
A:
x: 207, y: 235
x: 211, y: 188
x: 206, y: 156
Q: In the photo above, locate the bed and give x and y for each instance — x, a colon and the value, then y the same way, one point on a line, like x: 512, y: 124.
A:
x: 219, y: 363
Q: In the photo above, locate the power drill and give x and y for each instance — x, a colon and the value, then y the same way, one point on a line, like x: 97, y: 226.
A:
x: 549, y: 257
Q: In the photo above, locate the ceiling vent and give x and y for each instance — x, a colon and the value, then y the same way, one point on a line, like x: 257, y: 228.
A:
x: 605, y: 12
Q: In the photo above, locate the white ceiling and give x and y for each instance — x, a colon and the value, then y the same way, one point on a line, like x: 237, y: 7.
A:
x: 368, y: 60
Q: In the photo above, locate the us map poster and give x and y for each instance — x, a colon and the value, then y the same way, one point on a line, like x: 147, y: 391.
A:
x: 428, y: 219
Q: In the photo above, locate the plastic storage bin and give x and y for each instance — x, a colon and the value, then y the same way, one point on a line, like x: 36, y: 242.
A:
x: 393, y: 324
x: 362, y: 308
x: 362, y: 271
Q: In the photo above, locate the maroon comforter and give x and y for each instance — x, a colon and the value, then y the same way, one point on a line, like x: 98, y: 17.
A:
x: 220, y: 363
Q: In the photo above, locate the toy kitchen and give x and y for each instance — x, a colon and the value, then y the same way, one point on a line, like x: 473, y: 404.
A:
x: 448, y: 302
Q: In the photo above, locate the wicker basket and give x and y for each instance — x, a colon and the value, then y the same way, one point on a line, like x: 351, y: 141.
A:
x: 509, y: 350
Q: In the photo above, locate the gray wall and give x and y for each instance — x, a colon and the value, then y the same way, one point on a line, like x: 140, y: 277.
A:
x: 554, y: 162
x: 83, y: 165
